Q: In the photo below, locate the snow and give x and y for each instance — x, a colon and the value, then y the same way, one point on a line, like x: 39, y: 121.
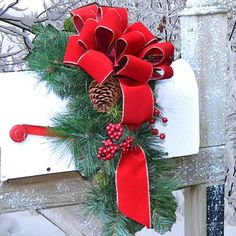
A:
x: 31, y: 223
x: 27, y: 224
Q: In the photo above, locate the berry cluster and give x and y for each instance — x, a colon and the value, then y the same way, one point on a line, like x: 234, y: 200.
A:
x: 153, y: 120
x: 156, y: 132
x: 112, y: 145
x: 157, y: 113
x: 126, y: 144
x: 114, y: 131
x: 108, y: 150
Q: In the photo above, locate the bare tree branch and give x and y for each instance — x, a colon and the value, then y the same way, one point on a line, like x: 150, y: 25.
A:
x: 232, y: 31
x: 16, y: 29
x: 9, y: 54
x: 11, y: 5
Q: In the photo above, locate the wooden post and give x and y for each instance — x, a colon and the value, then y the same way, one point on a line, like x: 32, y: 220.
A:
x: 204, y: 46
x: 195, y: 210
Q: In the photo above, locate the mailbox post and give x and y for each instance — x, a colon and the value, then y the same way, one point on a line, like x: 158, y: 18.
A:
x: 204, y: 46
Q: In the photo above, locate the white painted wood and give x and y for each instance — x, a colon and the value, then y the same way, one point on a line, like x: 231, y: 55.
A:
x: 74, y: 222
x: 195, y: 210
x: 178, y: 97
x: 25, y: 101
x: 205, y: 48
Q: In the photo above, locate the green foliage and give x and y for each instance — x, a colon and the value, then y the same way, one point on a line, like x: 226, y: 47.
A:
x: 81, y: 129
x: 47, y: 60
x: 68, y: 25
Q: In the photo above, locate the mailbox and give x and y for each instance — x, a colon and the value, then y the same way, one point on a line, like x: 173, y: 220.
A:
x: 25, y: 100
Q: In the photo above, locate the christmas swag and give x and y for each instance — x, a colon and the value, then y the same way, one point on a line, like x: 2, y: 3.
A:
x: 108, y: 70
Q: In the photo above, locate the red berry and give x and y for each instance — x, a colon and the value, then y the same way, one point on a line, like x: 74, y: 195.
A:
x: 105, y: 151
x: 162, y: 136
x: 155, y: 131
x: 157, y: 112
x: 164, y: 119
x: 152, y: 121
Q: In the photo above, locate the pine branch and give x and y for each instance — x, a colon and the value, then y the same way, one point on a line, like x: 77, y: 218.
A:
x: 82, y: 129
x: 47, y: 59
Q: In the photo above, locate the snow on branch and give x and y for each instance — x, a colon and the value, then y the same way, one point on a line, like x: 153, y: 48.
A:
x: 16, y: 23
x: 16, y: 29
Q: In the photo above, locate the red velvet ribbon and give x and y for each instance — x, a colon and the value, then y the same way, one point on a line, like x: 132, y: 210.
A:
x: 107, y: 46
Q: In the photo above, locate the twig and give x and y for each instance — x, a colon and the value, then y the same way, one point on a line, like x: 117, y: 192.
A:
x: 5, y: 55
x: 9, y: 6
x: 232, y: 32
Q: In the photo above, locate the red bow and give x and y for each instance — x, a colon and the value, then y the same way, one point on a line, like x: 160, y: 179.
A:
x: 107, y: 46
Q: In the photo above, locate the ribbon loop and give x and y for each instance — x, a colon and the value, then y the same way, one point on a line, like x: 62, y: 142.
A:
x: 130, y: 43
x: 123, y: 13
x: 87, y: 35
x: 80, y: 15
x: 109, y: 30
x: 138, y: 26
x: 157, y: 53
x: 135, y: 69
x: 94, y: 59
x: 73, y: 46
x: 162, y: 72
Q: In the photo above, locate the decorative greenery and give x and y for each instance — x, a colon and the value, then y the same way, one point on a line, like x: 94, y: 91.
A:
x: 68, y: 25
x: 81, y: 129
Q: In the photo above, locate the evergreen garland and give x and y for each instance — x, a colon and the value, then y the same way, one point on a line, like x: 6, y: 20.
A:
x: 81, y: 129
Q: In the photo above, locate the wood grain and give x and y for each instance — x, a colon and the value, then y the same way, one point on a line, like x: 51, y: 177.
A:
x: 195, y: 210
x: 72, y: 221
x: 42, y: 192
x: 70, y: 188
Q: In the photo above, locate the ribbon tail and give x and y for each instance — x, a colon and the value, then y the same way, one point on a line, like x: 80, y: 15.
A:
x: 132, y: 186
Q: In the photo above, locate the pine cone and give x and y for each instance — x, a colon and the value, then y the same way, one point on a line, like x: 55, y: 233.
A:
x: 104, y: 96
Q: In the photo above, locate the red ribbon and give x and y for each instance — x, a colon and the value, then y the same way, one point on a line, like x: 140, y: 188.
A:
x: 107, y: 46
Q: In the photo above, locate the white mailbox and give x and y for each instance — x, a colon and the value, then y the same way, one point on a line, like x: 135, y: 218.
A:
x: 179, y: 99
x: 24, y: 100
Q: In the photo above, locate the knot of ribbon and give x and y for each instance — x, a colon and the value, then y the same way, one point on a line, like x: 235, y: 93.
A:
x: 107, y: 46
